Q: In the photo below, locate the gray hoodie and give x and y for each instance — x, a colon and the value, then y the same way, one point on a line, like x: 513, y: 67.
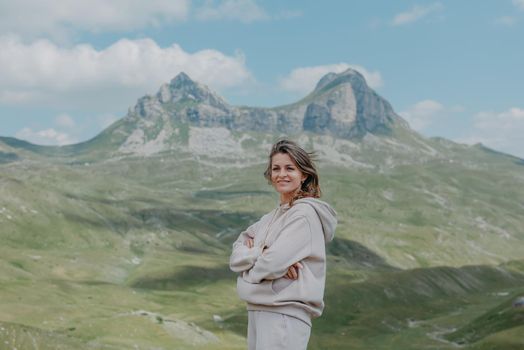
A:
x: 296, y: 234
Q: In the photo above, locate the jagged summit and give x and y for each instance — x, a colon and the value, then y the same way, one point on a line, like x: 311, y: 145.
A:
x: 342, y: 105
x: 181, y: 78
x: 183, y: 89
x: 184, y: 84
x: 186, y: 116
x: 350, y: 76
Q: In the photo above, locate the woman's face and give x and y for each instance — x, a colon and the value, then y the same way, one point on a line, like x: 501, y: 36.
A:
x: 285, y: 175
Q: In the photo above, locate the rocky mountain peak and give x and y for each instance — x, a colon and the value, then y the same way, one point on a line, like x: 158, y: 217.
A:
x: 342, y: 105
x: 181, y: 79
x: 182, y: 89
x: 181, y: 95
x: 350, y: 76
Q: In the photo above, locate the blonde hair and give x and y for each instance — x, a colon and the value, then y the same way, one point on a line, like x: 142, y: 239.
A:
x: 304, y: 161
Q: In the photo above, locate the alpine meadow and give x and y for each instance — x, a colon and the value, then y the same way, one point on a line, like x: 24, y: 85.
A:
x: 123, y: 241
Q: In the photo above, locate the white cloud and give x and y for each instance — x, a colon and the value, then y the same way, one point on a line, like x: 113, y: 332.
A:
x: 422, y: 114
x: 304, y: 79
x: 64, y: 121
x: 519, y: 4
x: 44, y: 137
x: 63, y: 20
x: 17, y: 97
x: 416, y: 13
x: 246, y: 11
x: 505, y: 121
x: 498, y: 130
x: 59, y: 19
x: 44, y: 71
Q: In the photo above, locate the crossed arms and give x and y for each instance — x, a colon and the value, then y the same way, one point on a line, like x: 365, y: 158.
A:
x: 281, y: 259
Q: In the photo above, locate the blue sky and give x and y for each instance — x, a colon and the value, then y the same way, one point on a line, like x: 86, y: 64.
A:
x: 451, y: 68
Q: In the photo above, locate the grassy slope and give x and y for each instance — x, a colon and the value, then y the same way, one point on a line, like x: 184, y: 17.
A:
x: 99, y: 147
x: 131, y: 252
x: 503, y: 317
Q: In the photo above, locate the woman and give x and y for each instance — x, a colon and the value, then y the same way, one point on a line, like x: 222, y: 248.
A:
x: 281, y: 259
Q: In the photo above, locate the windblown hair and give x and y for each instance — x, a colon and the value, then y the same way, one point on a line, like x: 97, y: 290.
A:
x: 304, y: 161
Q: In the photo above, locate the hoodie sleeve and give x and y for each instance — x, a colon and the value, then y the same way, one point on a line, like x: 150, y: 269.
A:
x: 242, y: 257
x: 292, y: 245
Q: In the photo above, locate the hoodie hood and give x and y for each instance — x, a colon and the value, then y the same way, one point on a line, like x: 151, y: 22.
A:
x: 326, y: 213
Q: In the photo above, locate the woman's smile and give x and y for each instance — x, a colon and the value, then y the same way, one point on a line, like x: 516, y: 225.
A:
x: 286, y: 176
x: 281, y: 258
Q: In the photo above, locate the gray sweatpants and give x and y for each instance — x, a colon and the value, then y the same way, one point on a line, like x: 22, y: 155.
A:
x: 274, y: 331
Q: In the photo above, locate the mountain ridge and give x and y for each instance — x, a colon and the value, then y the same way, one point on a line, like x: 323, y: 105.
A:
x: 334, y: 107
x: 341, y: 110
x: 124, y: 239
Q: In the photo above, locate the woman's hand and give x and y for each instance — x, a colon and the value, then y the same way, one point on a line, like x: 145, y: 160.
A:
x: 250, y: 243
x: 292, y: 272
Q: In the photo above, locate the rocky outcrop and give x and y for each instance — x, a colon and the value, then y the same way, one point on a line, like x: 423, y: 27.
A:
x: 345, y: 106
x: 341, y: 105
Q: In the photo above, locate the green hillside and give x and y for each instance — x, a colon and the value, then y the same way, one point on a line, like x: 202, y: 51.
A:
x: 123, y: 241
x: 132, y: 251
